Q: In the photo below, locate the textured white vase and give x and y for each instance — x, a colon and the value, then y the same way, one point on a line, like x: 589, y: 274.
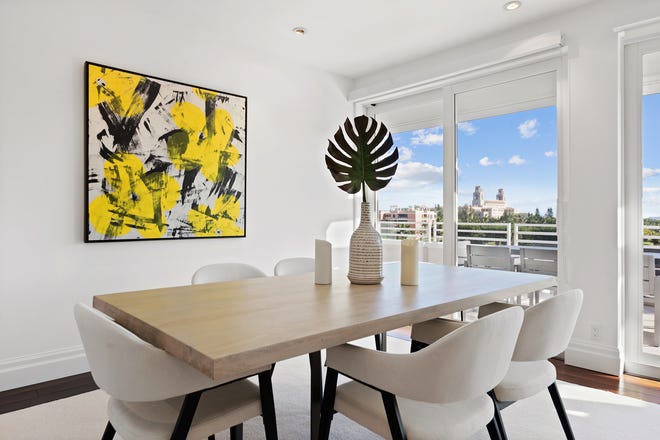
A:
x: 365, y: 261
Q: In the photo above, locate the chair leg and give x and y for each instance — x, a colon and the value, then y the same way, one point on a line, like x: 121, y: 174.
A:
x: 315, y: 393
x: 561, y: 411
x: 186, y: 414
x: 267, y: 405
x: 235, y: 432
x: 493, y: 432
x: 381, y: 341
x: 397, y: 430
x: 109, y: 432
x: 416, y: 345
x: 328, y: 405
x: 497, y: 417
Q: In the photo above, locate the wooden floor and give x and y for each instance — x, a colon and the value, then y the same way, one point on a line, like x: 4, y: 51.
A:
x: 626, y: 385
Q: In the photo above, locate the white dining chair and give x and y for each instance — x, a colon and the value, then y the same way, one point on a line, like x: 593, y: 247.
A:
x: 216, y: 273
x: 156, y: 396
x: 545, y: 333
x: 429, y: 394
x: 293, y: 266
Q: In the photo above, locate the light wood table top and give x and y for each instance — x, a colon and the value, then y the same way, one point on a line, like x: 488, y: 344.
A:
x: 226, y: 329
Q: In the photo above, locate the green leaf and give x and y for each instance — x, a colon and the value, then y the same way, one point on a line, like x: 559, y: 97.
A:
x: 362, y: 154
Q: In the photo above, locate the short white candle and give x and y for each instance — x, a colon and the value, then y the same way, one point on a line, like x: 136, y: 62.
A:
x: 409, y: 262
x: 322, y: 262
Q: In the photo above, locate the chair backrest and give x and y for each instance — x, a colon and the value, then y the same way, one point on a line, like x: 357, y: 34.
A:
x: 391, y: 250
x: 128, y: 368
x: 489, y: 257
x: 464, y: 364
x: 216, y: 273
x: 538, y: 260
x: 293, y: 266
x: 548, y: 326
x: 433, y: 253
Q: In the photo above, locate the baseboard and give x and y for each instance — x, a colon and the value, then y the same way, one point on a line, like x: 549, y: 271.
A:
x: 643, y: 370
x: 594, y: 356
x: 41, y: 367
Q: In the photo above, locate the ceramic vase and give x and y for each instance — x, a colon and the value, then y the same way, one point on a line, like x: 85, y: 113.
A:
x: 365, y: 264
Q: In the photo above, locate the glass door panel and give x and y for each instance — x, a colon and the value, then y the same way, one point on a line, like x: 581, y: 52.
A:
x: 411, y: 205
x: 650, y: 304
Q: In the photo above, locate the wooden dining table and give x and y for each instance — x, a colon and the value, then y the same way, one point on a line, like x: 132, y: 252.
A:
x: 227, y: 329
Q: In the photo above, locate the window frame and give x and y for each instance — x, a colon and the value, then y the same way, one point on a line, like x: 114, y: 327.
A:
x: 554, y: 61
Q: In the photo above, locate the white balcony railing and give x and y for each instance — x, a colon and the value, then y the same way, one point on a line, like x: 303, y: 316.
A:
x: 651, y: 240
x: 504, y: 234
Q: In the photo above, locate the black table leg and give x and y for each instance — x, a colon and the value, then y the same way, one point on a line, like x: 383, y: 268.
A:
x: 316, y: 393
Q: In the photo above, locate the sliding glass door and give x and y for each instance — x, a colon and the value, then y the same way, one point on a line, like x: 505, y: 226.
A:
x: 491, y: 178
x: 411, y: 205
x: 641, y: 140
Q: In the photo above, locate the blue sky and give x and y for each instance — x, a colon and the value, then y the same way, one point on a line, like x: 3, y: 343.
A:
x: 517, y: 152
x: 651, y: 155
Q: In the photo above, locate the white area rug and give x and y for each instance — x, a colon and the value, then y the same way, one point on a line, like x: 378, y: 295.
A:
x: 594, y: 414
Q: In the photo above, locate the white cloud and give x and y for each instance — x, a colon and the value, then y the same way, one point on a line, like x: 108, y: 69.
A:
x: 651, y: 189
x: 467, y: 128
x: 486, y: 162
x: 650, y: 172
x: 529, y: 128
x: 516, y: 160
x: 428, y: 136
x: 405, y: 154
x: 550, y: 154
x: 414, y: 174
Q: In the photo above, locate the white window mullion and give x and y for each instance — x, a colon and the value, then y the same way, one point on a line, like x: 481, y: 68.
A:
x: 449, y: 178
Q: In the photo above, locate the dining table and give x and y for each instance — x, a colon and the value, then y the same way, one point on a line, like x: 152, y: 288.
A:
x: 229, y: 328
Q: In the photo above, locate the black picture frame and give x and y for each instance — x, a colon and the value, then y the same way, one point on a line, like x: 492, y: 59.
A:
x: 164, y: 159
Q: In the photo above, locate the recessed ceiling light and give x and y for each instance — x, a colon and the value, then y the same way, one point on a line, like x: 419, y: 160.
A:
x: 512, y: 6
x: 299, y: 30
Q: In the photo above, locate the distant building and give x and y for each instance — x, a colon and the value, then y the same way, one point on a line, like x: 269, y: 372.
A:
x: 489, y: 208
x: 416, y: 218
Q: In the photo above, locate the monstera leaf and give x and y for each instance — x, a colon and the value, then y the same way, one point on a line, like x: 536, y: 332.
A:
x: 360, y: 154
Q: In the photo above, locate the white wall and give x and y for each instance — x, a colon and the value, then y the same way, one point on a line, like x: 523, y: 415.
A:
x: 591, y: 209
x: 44, y: 265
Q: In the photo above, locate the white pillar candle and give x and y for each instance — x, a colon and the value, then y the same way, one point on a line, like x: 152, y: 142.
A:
x: 409, y: 262
x: 322, y: 262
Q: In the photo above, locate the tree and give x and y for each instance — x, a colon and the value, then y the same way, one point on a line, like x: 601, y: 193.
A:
x: 439, y: 212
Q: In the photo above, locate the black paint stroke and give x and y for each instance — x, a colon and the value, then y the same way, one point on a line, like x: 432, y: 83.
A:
x: 188, y: 182
x: 122, y: 127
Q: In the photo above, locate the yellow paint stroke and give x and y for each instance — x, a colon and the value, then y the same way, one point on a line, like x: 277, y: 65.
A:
x: 116, y: 88
x: 204, y: 142
x: 138, y: 200
x: 219, y: 221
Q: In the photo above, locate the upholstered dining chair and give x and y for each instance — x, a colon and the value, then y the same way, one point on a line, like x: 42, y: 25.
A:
x: 427, y: 394
x: 295, y: 265
x: 545, y: 333
x: 156, y: 396
x: 216, y: 273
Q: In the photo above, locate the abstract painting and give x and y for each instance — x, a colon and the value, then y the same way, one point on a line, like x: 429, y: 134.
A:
x: 165, y: 160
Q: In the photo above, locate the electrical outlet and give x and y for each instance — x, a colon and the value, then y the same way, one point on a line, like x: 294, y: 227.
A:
x: 595, y: 331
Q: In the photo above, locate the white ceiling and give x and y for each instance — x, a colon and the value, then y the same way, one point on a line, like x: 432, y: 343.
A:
x: 357, y: 37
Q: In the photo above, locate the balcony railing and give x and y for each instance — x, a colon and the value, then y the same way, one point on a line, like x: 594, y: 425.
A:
x: 504, y: 234
x: 651, y: 238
